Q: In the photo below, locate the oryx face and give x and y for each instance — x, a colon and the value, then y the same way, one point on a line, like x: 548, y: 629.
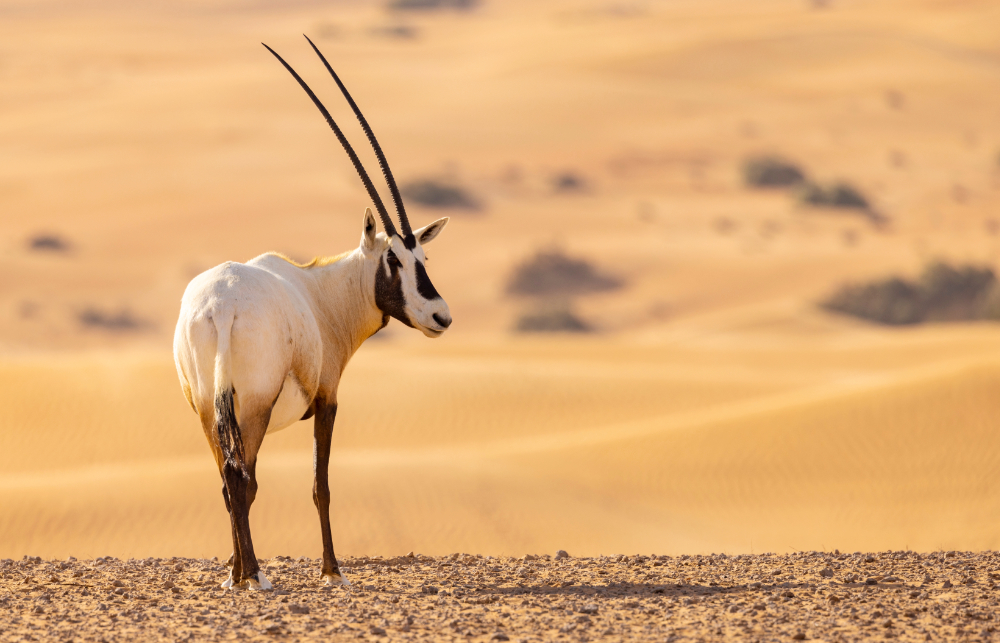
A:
x: 403, y: 289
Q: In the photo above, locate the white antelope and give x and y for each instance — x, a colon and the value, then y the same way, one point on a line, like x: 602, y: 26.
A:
x: 261, y: 345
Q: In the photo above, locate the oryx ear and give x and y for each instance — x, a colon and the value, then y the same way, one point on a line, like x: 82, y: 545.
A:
x: 427, y: 233
x: 368, y: 237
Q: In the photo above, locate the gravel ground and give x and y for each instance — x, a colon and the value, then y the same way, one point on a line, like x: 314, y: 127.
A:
x: 806, y: 596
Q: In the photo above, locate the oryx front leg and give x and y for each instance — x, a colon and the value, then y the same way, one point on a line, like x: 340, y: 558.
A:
x: 322, y: 437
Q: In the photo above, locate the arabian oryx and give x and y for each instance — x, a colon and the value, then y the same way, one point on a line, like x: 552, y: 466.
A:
x: 261, y: 345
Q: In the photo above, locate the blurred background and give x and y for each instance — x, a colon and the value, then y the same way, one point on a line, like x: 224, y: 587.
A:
x: 722, y: 272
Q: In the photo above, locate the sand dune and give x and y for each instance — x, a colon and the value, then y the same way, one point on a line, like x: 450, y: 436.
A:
x: 827, y: 450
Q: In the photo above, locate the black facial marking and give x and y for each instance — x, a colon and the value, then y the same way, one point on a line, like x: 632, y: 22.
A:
x: 389, y: 289
x: 410, y: 242
x: 424, y: 285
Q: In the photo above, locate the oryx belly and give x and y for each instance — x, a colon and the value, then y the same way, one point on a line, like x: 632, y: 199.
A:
x: 292, y: 404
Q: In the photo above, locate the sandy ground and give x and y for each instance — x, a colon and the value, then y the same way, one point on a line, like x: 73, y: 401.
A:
x: 765, y: 597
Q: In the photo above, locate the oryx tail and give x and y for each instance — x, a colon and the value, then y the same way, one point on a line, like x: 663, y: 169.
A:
x: 227, y: 429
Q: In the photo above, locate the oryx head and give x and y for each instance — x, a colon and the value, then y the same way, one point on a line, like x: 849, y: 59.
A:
x: 402, y: 287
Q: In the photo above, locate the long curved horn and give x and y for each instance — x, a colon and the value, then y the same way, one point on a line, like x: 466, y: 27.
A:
x: 390, y: 229
x: 384, y: 164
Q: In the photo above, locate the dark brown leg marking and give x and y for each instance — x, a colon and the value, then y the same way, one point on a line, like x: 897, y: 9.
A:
x: 322, y: 437
x: 238, y: 485
x: 234, y: 559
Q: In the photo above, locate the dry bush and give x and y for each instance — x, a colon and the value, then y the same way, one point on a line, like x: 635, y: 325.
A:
x: 121, y: 321
x: 942, y: 293
x: 436, y: 194
x: 550, y: 273
x: 432, y: 4
x: 553, y: 318
x: 771, y: 172
x: 837, y: 195
x: 48, y: 243
x: 569, y: 182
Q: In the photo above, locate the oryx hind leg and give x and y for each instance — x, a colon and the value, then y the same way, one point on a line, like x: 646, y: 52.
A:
x: 235, y: 562
x: 238, y: 469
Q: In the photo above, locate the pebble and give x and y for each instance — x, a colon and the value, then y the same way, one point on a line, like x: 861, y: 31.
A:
x: 562, y: 554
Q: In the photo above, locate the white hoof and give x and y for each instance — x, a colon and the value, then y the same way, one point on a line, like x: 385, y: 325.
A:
x: 256, y: 584
x: 226, y: 584
x: 336, y: 580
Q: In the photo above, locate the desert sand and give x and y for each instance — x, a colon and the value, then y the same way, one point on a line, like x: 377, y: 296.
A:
x: 715, y: 409
x: 802, y: 596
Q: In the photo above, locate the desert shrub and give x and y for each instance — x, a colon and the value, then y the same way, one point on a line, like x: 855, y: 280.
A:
x: 838, y: 195
x: 432, y: 4
x: 568, y: 182
x: 942, y: 293
x: 117, y: 322
x: 557, y: 318
x: 48, y: 243
x: 435, y: 194
x: 771, y: 172
x: 890, y: 301
x: 552, y: 273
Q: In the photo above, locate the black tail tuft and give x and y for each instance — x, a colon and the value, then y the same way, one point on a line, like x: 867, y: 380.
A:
x: 230, y: 438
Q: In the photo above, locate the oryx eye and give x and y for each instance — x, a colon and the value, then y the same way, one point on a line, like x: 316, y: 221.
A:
x: 393, y: 261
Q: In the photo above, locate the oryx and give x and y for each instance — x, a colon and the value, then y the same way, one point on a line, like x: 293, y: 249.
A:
x: 261, y: 345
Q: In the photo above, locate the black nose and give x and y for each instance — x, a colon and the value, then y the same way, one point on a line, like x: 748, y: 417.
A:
x: 444, y: 322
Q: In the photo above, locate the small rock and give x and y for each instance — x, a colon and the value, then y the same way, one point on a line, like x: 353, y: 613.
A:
x: 826, y: 573
x: 118, y: 583
x: 799, y: 636
x: 429, y: 589
x: 559, y: 554
x: 589, y: 608
x: 295, y: 608
x: 168, y: 585
x: 377, y: 631
x: 754, y: 585
x: 38, y: 610
x: 946, y: 584
x: 166, y: 608
x: 499, y: 636
x: 871, y: 581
